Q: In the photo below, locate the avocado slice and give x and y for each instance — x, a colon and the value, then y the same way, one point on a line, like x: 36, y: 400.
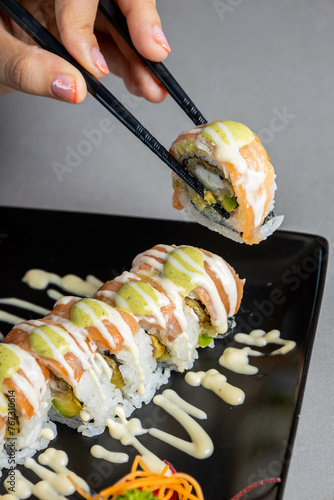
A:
x: 163, y: 357
x: 204, y: 339
x: 229, y: 203
x: 66, y: 403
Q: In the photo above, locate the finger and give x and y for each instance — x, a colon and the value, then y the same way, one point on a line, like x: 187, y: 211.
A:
x: 145, y: 28
x: 138, y: 80
x: 75, y: 20
x: 145, y: 83
x: 35, y: 71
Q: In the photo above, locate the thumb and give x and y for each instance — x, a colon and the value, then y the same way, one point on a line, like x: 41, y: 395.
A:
x: 33, y: 70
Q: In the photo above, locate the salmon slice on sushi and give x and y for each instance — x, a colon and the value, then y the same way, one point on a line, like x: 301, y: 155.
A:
x: 119, y: 341
x: 24, y: 391
x: 80, y: 379
x: 208, y: 284
x: 231, y: 163
x: 160, y: 310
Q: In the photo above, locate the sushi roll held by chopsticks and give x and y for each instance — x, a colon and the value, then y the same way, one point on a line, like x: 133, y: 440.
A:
x: 234, y: 168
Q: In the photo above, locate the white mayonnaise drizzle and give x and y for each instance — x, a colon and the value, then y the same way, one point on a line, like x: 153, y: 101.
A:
x: 11, y: 319
x: 156, y: 308
x: 22, y: 488
x: 85, y: 416
x: 57, y: 353
x: 79, y: 335
x: 221, y: 269
x: 204, y: 280
x: 57, y: 481
x: 94, y: 373
x: 150, y: 257
x: 95, y: 321
x: 84, y: 357
x: 47, y: 433
x: 65, y: 299
x: 116, y: 319
x: 53, y: 294
x: 125, y: 431
x: 131, y: 279
x: 215, y: 263
x: 237, y: 360
x: 227, y: 153
x: 217, y: 383
x: 172, y: 293
x: 29, y: 325
x: 251, y: 180
x: 201, y: 445
x: 24, y: 304
x: 33, y: 384
x: 39, y: 279
x: 260, y: 338
x: 110, y: 456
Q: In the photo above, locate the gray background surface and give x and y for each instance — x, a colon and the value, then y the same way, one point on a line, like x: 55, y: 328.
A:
x: 244, y: 60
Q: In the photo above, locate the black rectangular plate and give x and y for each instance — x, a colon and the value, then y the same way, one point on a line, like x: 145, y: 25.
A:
x: 284, y: 285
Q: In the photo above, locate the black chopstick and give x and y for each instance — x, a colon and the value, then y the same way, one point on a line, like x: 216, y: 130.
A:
x: 48, y: 42
x: 114, y: 15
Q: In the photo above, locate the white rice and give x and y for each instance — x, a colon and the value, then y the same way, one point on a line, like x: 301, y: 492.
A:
x: 3, y: 454
x: 154, y: 376
x: 99, y: 398
x: 29, y: 439
x: 182, y: 350
x: 222, y: 228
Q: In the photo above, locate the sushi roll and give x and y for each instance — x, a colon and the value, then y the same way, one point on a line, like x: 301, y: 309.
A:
x: 160, y: 310
x: 234, y: 168
x: 99, y: 358
x: 121, y: 343
x: 208, y: 284
x: 80, y: 378
x: 182, y: 296
x: 26, y: 396
x: 3, y: 429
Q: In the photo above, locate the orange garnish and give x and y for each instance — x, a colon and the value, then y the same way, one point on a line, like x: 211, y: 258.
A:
x: 164, y: 487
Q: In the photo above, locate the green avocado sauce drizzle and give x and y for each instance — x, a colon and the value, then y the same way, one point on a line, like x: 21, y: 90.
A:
x: 9, y: 364
x: 43, y: 337
x: 180, y: 271
x: 137, y: 297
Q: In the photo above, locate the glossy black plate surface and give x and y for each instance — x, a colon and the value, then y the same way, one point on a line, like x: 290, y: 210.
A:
x: 284, y: 285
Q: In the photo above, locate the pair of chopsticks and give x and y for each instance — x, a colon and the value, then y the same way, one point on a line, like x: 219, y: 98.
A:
x: 112, y: 12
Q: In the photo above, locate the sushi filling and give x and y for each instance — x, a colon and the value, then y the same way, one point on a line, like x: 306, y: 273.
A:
x: 63, y: 398
x: 217, y: 188
x: 207, y: 332
x: 116, y: 377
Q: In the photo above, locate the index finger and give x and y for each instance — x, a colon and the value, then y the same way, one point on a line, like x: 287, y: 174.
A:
x: 75, y: 20
x: 145, y: 28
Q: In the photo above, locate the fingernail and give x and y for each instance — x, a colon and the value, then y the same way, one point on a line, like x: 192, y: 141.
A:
x: 65, y: 86
x: 160, y: 38
x: 99, y: 61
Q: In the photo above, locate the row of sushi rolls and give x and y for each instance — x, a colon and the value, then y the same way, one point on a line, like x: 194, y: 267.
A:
x: 118, y: 347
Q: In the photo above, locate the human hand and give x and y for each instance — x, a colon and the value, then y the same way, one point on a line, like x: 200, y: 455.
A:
x: 85, y: 33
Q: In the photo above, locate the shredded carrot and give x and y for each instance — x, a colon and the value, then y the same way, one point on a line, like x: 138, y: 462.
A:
x: 163, y: 487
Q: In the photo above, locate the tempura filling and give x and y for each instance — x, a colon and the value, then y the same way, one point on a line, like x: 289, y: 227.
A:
x: 217, y: 189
